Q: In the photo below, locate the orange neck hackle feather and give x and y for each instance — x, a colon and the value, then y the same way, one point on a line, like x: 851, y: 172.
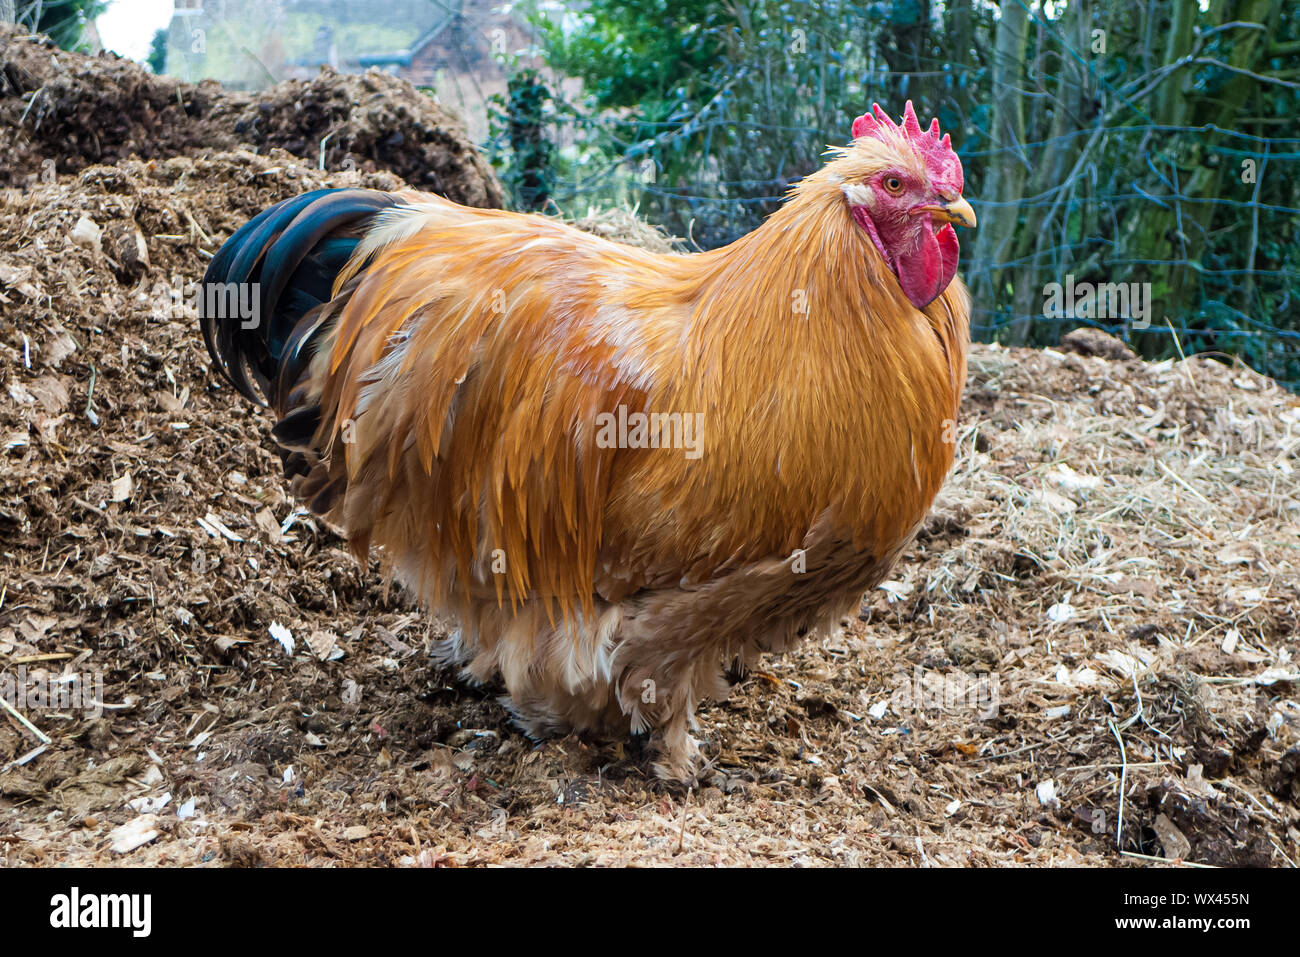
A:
x: 822, y: 386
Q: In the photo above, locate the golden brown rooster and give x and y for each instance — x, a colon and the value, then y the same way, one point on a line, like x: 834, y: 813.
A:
x: 618, y: 470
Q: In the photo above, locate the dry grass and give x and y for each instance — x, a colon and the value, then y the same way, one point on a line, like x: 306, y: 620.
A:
x: 624, y: 226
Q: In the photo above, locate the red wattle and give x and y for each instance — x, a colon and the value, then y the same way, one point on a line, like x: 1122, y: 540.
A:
x: 925, y: 272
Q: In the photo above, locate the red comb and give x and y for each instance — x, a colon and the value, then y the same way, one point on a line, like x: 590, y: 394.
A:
x: 942, y: 163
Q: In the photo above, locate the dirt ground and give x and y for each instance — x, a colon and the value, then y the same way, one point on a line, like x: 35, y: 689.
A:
x: 1089, y: 656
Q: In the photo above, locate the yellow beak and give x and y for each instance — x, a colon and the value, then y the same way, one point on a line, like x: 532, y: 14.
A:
x: 958, y: 212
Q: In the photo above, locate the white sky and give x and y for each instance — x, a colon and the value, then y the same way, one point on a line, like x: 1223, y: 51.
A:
x: 127, y: 26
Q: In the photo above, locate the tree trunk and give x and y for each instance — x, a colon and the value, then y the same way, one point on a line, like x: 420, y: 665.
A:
x: 1005, y: 179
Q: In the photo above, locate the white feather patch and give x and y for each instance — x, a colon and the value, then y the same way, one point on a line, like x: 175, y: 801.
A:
x: 856, y: 193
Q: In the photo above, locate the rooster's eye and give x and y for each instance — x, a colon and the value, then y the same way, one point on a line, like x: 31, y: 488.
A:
x: 893, y: 184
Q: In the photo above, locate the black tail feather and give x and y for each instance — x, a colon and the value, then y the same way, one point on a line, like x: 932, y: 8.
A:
x: 293, y: 252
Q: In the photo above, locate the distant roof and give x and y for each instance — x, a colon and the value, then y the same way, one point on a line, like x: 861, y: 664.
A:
x: 305, y: 33
x: 386, y: 59
x: 404, y: 57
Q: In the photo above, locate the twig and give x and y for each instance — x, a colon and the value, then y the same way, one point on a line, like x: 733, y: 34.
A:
x: 1165, y: 860
x: 40, y: 735
x: 1183, y: 482
x: 1183, y: 356
x: 1254, y: 800
x: 30, y: 103
x: 920, y: 849
x: 31, y: 755
x: 326, y: 139
x: 1111, y: 767
x: 1027, y: 747
x: 54, y: 656
x: 197, y: 228
x: 1123, y: 782
x: 681, y: 833
x: 1286, y: 857
x: 90, y: 397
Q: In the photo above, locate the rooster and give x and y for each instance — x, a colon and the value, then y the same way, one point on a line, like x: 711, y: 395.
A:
x: 616, y: 470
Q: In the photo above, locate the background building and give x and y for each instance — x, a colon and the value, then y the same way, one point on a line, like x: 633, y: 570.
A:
x: 450, y: 46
